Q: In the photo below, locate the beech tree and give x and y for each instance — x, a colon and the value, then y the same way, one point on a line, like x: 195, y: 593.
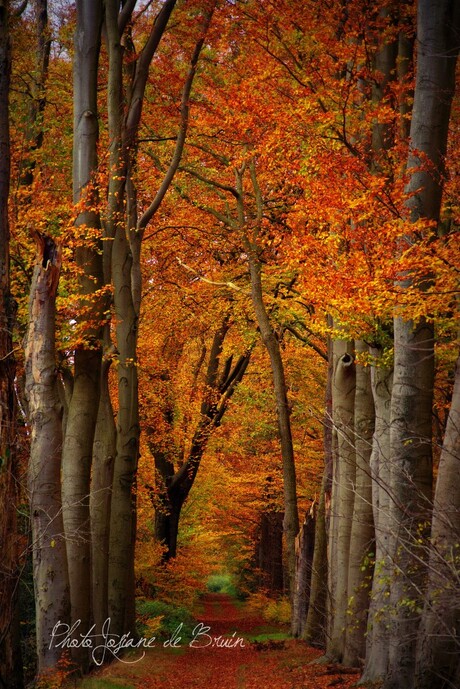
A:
x: 438, y: 31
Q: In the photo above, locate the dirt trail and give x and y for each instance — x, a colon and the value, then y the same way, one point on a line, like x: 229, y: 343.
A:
x: 220, y: 656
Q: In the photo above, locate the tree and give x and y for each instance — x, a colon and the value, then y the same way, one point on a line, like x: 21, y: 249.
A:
x: 438, y: 27
x: 176, y: 483
x: 10, y: 660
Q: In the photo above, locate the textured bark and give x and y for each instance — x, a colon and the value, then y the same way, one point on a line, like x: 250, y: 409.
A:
x: 438, y: 651
x: 343, y: 486
x: 10, y: 658
x: 83, y: 406
x: 438, y: 25
x: 376, y: 664
x: 51, y: 582
x: 360, y: 566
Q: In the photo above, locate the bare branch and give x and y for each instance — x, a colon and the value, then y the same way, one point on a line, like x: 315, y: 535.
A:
x: 184, y: 110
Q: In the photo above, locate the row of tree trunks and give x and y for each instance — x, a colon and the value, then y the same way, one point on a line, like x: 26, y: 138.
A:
x: 438, y: 29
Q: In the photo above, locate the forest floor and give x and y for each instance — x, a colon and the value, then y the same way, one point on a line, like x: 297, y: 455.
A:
x: 255, y: 656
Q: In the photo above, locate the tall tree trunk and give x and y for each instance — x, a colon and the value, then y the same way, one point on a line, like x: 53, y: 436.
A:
x: 121, y: 559
x: 315, y: 628
x: 291, y: 517
x: 438, y: 650
x: 10, y: 658
x: 51, y: 583
x: 104, y: 449
x: 343, y: 487
x: 438, y: 26
x: 360, y: 566
x: 376, y: 663
x: 272, y: 345
x: 84, y: 403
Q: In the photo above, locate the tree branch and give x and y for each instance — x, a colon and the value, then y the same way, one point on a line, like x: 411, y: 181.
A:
x: 184, y: 118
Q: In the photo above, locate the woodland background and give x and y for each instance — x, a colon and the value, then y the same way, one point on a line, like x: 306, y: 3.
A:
x: 229, y: 324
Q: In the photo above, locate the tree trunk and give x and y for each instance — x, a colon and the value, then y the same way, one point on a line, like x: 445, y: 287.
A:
x: 291, y: 518
x: 376, y: 664
x: 438, y: 649
x: 51, y: 583
x: 84, y: 403
x: 305, y: 548
x: 438, y: 25
x: 315, y: 628
x: 270, y: 551
x: 121, y: 561
x: 343, y: 487
x: 104, y: 449
x: 360, y: 566
x: 10, y: 656
x: 176, y: 485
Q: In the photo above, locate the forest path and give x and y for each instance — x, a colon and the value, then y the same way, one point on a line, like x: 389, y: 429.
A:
x: 225, y: 655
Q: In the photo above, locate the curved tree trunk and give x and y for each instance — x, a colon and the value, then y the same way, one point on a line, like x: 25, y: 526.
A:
x: 291, y: 518
x: 177, y: 485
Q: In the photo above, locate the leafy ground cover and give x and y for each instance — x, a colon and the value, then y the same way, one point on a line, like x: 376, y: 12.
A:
x: 233, y: 648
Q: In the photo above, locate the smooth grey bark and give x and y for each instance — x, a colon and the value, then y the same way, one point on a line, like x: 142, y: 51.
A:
x: 377, y: 642
x: 10, y: 657
x: 438, y: 26
x: 342, y: 499
x: 51, y: 583
x: 393, y: 59
x: 126, y: 276
x: 360, y: 567
x: 438, y: 648
x: 104, y: 449
x: 84, y: 402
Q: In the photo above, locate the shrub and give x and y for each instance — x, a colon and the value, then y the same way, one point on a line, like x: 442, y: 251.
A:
x: 158, y: 618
